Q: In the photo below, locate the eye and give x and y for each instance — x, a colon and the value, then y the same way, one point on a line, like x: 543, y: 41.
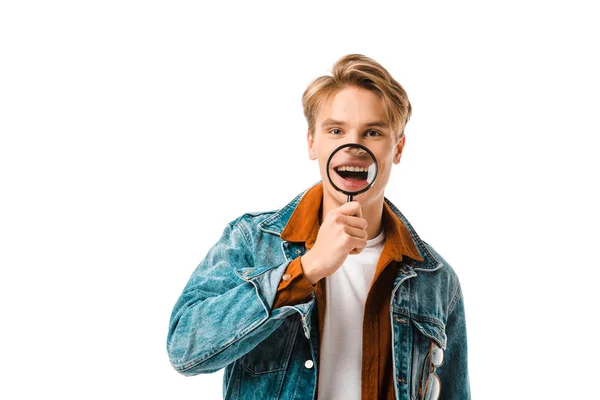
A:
x: 372, y: 133
x: 335, y: 131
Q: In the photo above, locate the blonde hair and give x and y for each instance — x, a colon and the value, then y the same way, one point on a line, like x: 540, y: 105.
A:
x: 362, y: 72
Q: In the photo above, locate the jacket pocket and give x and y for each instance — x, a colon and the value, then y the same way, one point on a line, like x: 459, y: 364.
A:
x: 434, y: 331
x: 424, y: 332
x: 273, y: 353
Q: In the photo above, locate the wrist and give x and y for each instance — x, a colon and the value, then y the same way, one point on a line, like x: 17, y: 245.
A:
x: 308, y: 270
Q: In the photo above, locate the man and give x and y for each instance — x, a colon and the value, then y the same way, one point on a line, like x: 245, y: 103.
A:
x: 325, y: 298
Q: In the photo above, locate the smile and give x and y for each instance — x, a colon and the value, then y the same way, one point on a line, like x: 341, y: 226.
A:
x: 352, y: 172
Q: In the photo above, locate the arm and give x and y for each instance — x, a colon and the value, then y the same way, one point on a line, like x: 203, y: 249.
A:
x: 221, y: 314
x: 293, y: 288
x: 453, y: 373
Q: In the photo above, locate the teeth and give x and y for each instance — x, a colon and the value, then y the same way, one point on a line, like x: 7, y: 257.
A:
x: 352, y: 168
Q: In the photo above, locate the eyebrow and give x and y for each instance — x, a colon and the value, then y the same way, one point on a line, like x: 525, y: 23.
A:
x: 331, y: 121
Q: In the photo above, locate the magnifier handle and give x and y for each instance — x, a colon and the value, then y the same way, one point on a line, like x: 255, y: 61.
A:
x: 349, y: 198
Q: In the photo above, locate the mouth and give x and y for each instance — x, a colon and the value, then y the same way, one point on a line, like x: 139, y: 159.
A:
x: 352, y: 173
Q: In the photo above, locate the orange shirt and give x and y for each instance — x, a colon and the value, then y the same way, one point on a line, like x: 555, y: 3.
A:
x: 377, y: 363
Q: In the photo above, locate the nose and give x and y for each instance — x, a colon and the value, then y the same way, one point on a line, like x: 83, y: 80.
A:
x: 356, y: 137
x: 356, y: 151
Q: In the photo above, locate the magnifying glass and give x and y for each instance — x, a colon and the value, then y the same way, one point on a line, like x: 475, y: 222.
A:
x: 351, y: 169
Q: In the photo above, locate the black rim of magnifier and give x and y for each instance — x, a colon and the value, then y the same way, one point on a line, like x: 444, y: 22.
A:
x: 361, y: 190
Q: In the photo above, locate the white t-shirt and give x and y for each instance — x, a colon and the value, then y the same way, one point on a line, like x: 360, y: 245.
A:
x: 340, y: 355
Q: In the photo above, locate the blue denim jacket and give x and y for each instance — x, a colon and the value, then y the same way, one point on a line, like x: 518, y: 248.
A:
x: 224, y: 318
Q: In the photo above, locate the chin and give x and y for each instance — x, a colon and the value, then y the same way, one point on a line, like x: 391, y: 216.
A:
x: 370, y: 196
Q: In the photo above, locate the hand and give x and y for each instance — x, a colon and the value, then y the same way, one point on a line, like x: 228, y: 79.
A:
x: 342, y: 232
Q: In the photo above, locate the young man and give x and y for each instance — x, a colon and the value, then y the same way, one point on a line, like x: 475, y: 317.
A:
x: 323, y: 298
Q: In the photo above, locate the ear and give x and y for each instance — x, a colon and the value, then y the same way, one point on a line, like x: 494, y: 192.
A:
x: 311, y: 143
x: 398, y: 149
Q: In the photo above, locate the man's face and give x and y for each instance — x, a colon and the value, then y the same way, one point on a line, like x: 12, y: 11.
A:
x: 355, y: 115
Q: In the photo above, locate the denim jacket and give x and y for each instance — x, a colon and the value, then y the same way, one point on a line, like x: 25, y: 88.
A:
x: 224, y: 318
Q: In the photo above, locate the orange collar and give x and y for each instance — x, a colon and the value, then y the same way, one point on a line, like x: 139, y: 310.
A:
x: 303, y: 226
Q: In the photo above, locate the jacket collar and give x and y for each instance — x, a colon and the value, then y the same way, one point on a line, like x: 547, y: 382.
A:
x: 298, y: 221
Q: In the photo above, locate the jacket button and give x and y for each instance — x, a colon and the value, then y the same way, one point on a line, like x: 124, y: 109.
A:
x: 309, y: 364
x: 286, y: 277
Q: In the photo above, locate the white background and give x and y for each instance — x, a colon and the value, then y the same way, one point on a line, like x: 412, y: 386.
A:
x: 133, y: 131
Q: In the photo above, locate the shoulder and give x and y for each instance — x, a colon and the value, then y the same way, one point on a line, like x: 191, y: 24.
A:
x: 255, y: 224
x: 248, y: 224
x: 251, y: 218
x: 433, y: 263
x: 446, y: 277
x: 445, y: 267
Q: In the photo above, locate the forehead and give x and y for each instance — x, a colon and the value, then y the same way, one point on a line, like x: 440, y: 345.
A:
x: 352, y: 105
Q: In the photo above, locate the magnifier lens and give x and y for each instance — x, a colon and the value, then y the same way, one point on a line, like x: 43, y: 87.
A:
x: 352, y: 169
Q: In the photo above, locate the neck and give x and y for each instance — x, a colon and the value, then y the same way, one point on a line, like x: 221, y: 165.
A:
x: 372, y: 211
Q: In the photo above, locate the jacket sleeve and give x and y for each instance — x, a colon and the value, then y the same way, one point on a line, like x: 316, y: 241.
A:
x: 453, y: 373
x: 225, y: 309
x: 296, y: 288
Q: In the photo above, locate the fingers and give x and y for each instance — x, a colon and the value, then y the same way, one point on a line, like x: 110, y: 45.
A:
x: 357, y: 245
x: 354, y: 222
x: 349, y: 214
x: 356, y: 239
x: 349, y: 221
x: 351, y: 208
x: 357, y: 233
